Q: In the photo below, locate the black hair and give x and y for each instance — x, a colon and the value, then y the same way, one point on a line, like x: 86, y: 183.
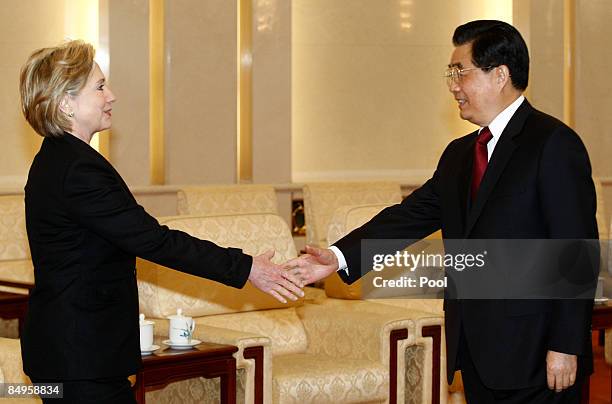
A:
x: 496, y: 43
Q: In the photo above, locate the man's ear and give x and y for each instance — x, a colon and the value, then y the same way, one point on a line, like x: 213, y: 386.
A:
x: 502, y: 74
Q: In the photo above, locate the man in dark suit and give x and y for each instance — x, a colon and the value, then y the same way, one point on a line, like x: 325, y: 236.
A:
x: 523, y: 174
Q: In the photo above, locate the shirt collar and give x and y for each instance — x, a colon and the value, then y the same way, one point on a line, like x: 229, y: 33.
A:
x: 499, y: 123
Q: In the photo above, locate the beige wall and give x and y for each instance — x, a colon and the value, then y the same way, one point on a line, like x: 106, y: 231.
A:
x: 341, y: 88
x: 128, y: 23
x: 24, y: 27
x: 592, y: 119
x: 546, y: 53
x: 369, y: 100
x: 200, y: 119
x: 593, y: 83
x: 271, y: 91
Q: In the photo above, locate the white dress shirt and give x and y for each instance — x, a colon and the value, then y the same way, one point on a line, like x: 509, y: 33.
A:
x: 497, y: 126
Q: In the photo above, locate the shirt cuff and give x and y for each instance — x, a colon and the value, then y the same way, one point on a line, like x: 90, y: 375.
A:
x: 341, y: 260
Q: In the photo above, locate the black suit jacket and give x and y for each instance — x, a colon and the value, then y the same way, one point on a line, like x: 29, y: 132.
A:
x: 537, y: 186
x: 85, y: 230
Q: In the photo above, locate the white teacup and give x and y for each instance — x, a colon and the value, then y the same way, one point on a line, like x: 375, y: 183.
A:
x: 146, y: 333
x: 181, y: 328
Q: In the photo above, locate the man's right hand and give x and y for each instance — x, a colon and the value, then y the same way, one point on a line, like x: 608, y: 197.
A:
x: 315, y: 265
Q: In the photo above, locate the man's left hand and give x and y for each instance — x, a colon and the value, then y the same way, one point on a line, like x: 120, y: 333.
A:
x: 560, y: 370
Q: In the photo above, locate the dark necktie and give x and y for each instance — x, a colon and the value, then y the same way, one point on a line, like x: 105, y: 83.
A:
x: 480, y: 159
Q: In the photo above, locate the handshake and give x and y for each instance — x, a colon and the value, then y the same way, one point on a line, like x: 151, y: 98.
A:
x: 287, y: 280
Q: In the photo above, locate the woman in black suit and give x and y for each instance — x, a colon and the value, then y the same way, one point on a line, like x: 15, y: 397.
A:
x: 85, y: 230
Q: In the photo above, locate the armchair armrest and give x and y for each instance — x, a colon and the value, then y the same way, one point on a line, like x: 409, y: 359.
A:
x: 11, y: 368
x: 17, y: 273
x: 350, y: 333
x: 345, y: 333
x: 10, y: 361
x: 428, y: 319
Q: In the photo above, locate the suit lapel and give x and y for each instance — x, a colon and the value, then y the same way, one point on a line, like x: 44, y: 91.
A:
x: 501, y: 155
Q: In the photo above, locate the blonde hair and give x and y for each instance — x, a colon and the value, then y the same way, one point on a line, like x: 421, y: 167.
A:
x: 47, y: 76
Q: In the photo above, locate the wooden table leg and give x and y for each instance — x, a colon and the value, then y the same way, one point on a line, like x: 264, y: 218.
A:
x: 228, y: 383
x: 586, y: 391
x: 139, y: 389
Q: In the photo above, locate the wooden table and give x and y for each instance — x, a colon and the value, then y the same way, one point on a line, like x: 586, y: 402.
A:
x: 602, y: 319
x: 602, y: 316
x: 168, y: 365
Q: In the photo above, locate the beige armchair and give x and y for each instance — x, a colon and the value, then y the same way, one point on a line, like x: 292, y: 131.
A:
x: 226, y: 200
x: 11, y: 369
x: 15, y: 260
x: 601, y: 210
x: 605, y: 230
x: 16, y: 271
x: 429, y: 384
x: 299, y: 352
x: 322, y: 199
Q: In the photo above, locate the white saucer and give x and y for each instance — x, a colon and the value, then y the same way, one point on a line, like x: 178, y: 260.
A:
x: 173, y: 345
x: 149, y: 350
x: 601, y: 300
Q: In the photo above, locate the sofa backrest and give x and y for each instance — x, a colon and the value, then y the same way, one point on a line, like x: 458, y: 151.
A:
x: 226, y: 200
x: 343, y: 221
x: 13, y: 235
x: 347, y: 218
x: 321, y: 199
x: 162, y: 290
x: 601, y: 210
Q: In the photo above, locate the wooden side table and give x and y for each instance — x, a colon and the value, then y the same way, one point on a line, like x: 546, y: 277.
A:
x: 14, y: 305
x: 602, y: 319
x: 207, y: 360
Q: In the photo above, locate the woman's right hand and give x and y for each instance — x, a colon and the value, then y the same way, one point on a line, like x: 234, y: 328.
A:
x: 273, y: 279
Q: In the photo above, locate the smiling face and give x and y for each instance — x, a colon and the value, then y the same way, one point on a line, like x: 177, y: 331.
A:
x: 91, y: 107
x: 477, y: 92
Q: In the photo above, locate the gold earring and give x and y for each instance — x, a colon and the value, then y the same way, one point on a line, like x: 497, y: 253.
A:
x: 71, y: 114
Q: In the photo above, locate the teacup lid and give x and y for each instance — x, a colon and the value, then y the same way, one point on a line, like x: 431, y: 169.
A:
x: 178, y: 315
x: 142, y: 320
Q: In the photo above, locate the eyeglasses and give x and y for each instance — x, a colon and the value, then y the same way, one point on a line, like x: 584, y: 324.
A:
x: 455, y: 75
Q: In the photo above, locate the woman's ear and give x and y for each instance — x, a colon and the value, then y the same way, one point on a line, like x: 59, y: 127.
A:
x: 65, y: 107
